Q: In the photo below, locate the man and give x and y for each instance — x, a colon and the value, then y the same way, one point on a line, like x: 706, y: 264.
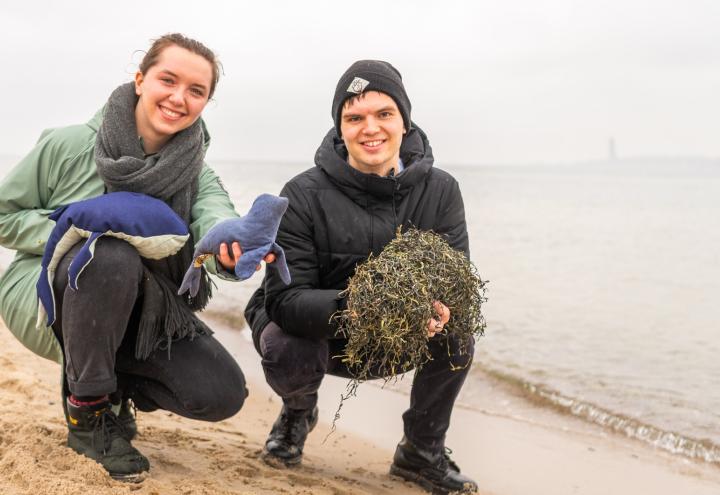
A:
x: 374, y: 173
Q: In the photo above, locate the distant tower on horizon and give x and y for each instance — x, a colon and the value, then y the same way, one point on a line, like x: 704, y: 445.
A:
x: 612, y: 153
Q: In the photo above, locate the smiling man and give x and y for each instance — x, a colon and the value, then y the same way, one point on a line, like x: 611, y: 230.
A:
x: 374, y: 173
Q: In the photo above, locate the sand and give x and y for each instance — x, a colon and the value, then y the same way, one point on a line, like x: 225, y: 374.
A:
x: 187, y: 457
x: 511, y: 447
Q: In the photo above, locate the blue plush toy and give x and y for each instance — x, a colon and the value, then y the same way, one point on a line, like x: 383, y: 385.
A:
x: 149, y: 224
x: 256, y: 234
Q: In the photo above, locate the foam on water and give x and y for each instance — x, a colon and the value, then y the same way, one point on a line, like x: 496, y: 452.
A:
x: 670, y: 441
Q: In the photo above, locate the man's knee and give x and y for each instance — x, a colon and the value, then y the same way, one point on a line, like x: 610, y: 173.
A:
x: 292, y: 365
x: 457, y: 351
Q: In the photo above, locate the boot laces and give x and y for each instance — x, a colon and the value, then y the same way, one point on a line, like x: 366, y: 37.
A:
x: 107, y: 428
x: 130, y: 406
x: 447, y: 462
x: 291, y: 425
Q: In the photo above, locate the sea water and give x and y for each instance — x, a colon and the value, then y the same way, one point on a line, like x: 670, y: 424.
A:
x: 604, y: 280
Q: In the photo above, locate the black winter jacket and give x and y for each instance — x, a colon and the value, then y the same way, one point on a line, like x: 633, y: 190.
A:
x: 337, y: 216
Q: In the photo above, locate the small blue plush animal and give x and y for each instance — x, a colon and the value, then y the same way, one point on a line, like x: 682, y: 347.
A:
x: 149, y: 224
x: 256, y: 234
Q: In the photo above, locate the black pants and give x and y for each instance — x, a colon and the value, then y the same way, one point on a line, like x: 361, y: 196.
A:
x: 97, y: 326
x: 294, y: 367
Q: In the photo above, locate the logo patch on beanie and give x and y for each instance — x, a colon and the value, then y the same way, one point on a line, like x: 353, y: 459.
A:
x: 358, y: 85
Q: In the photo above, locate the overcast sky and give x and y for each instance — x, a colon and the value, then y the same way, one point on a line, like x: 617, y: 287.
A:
x: 490, y: 81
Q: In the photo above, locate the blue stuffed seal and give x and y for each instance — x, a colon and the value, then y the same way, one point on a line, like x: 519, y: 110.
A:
x: 149, y: 224
x: 256, y: 234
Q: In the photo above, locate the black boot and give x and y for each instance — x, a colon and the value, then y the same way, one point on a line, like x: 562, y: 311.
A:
x: 126, y: 413
x: 96, y: 432
x: 434, y: 471
x: 287, y: 437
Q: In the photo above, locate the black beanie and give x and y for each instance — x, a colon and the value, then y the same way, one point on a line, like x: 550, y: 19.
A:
x: 370, y: 75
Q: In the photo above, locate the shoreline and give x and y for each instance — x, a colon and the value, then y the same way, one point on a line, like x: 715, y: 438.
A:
x: 683, y: 446
x: 511, y: 447
x: 530, y: 344
x: 519, y: 395
x: 522, y: 395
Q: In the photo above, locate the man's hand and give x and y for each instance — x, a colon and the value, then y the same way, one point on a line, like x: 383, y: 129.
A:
x: 228, y: 260
x: 435, y: 325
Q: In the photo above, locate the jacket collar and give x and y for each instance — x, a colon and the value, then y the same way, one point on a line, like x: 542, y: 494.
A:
x: 415, y: 152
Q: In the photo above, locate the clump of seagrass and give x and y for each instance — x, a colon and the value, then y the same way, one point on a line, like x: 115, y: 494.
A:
x: 390, y: 300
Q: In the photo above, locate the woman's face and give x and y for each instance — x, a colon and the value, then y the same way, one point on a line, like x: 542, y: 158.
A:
x: 173, y: 94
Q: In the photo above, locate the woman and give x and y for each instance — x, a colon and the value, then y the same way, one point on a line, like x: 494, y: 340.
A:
x: 148, y: 138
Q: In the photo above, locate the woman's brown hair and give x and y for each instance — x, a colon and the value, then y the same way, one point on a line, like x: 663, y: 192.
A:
x: 153, y: 54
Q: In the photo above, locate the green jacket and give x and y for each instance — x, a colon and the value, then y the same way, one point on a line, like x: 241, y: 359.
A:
x: 60, y: 170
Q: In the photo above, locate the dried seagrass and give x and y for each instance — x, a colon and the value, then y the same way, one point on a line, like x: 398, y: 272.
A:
x: 390, y: 300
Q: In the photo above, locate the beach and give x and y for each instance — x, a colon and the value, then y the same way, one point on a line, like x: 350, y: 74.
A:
x: 577, y: 342
x: 600, y: 294
x: 187, y: 457
x: 511, y: 447
x: 570, y: 144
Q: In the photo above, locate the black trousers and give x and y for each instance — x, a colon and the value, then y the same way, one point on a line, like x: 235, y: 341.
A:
x: 97, y: 326
x: 295, y: 367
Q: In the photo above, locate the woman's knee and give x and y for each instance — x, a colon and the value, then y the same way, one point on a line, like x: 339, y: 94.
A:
x: 218, y: 407
x: 219, y: 400
x: 116, y: 260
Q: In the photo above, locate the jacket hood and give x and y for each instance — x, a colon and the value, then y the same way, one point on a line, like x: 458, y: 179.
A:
x: 415, y: 153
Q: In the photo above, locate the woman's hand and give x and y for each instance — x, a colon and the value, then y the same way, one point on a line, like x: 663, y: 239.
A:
x: 435, y: 325
x: 228, y: 260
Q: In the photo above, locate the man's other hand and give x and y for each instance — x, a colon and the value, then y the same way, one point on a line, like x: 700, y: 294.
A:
x: 435, y: 325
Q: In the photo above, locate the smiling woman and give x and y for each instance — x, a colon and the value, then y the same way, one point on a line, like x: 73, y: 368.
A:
x: 172, y: 94
x: 125, y: 335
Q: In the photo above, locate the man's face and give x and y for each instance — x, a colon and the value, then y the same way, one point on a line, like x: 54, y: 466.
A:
x: 372, y: 128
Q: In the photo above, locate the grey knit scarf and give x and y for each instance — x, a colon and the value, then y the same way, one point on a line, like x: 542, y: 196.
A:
x: 172, y: 176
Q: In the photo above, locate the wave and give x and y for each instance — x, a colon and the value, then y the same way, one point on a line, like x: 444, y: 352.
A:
x: 670, y: 441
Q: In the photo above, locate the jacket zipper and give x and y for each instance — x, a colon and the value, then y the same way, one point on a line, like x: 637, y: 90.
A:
x: 396, y: 187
